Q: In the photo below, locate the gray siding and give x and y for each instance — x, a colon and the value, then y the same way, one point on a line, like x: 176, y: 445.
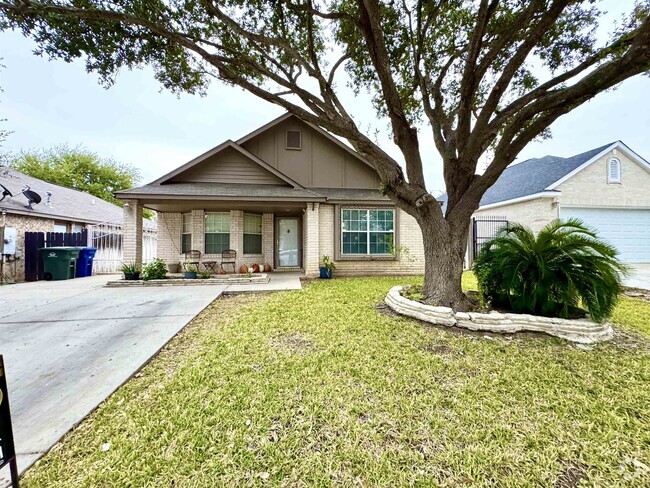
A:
x: 319, y: 164
x: 229, y: 166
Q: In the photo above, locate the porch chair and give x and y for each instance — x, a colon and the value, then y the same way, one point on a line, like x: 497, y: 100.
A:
x: 229, y: 256
x: 192, y: 257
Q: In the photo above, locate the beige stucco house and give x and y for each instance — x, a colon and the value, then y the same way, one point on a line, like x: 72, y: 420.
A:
x: 607, y: 187
x: 285, y: 195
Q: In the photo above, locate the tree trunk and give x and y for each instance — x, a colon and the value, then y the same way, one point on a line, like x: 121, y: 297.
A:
x: 444, y: 255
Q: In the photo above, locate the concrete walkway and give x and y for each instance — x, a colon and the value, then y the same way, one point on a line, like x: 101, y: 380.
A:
x: 68, y: 345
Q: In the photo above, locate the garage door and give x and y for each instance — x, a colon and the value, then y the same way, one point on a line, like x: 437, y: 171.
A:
x: 628, y: 230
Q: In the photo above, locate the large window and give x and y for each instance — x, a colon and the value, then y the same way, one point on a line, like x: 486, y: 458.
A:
x: 217, y: 232
x: 252, y: 234
x: 365, y: 231
x: 186, y: 233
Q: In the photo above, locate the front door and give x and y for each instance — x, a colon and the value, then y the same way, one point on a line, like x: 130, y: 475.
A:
x: 288, y: 242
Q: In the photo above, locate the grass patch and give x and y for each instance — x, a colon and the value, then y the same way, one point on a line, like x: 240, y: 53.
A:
x: 318, y: 387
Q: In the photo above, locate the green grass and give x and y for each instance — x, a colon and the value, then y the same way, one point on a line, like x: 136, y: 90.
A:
x: 320, y: 388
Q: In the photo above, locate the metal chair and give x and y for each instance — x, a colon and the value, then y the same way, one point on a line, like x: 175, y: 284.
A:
x: 229, y: 256
x: 193, y: 258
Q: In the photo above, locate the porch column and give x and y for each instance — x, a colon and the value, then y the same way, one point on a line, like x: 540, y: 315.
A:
x: 311, y: 239
x: 267, y: 238
x: 237, y: 235
x: 132, y: 233
x: 198, y: 230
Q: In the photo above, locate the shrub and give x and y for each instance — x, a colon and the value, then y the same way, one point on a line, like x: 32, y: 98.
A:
x: 566, y: 266
x: 156, y: 270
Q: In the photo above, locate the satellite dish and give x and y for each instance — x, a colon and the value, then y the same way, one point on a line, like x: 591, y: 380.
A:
x: 5, y: 192
x: 31, y: 196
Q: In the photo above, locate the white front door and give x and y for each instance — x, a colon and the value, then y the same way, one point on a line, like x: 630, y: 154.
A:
x: 288, y: 242
x: 626, y: 229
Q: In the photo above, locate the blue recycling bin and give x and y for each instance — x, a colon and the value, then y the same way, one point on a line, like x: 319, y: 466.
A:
x: 85, y: 262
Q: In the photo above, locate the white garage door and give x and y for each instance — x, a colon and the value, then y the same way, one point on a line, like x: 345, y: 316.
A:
x: 627, y: 230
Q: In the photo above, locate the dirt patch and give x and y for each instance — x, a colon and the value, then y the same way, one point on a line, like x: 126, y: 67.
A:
x: 637, y: 293
x: 571, y: 475
x: 294, y: 343
x: 440, y: 349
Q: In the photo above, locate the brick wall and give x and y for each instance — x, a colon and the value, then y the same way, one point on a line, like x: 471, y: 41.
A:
x: 532, y: 213
x: 410, y: 238
x: 13, y: 267
x: 311, y: 255
x: 132, y: 233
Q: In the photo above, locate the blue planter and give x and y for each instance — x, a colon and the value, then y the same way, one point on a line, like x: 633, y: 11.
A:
x: 324, y: 274
x: 190, y: 275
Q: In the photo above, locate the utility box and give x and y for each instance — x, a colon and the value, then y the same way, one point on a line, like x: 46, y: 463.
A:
x: 8, y: 237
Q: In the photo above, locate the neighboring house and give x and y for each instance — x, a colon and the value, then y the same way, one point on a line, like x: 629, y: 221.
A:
x: 60, y: 210
x: 608, y: 188
x: 286, y: 194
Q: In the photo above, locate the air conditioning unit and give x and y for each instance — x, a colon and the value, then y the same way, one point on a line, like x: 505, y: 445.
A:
x: 8, y: 236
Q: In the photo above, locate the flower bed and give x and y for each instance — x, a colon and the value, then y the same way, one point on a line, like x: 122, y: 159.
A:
x: 238, y: 279
x: 581, y: 330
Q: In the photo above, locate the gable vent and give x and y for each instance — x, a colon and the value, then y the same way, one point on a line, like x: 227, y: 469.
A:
x: 614, y: 171
x: 294, y: 139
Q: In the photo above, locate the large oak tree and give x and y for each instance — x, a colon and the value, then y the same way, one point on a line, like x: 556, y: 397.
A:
x: 484, y: 76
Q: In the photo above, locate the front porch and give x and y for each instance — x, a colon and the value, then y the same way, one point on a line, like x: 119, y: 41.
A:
x: 283, y: 235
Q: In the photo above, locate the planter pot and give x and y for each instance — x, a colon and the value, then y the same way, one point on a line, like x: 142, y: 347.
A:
x: 190, y: 275
x: 132, y: 276
x: 173, y: 267
x: 326, y: 275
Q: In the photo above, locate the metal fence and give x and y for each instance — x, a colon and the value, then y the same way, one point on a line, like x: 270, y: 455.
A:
x: 483, y: 229
x: 108, y: 239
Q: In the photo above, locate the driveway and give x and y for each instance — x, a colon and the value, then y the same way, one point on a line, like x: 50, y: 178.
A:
x: 68, y: 345
x: 639, y: 277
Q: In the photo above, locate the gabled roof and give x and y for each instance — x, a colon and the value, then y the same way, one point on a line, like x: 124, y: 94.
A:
x: 543, y: 175
x: 321, y: 131
x: 66, y: 204
x: 215, y: 150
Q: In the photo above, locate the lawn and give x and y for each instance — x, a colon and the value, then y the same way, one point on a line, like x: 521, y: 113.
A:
x: 320, y: 387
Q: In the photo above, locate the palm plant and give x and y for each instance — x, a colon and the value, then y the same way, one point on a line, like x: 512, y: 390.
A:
x: 566, y: 265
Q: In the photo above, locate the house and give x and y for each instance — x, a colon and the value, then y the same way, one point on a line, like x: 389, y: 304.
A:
x: 607, y: 187
x: 285, y: 195
x: 61, y: 209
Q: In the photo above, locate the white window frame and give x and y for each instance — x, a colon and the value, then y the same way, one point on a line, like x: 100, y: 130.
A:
x: 205, y: 232
x: 252, y: 233
x: 368, y: 231
x: 184, y: 230
x: 617, y: 178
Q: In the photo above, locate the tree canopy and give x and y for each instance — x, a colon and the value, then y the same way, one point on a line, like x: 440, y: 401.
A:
x: 484, y: 76
x: 78, y: 168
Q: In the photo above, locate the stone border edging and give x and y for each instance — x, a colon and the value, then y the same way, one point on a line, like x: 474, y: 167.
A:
x: 581, y: 330
x: 245, y: 280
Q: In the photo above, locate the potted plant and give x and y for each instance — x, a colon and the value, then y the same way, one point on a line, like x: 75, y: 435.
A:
x: 130, y: 271
x: 190, y: 271
x: 327, y: 268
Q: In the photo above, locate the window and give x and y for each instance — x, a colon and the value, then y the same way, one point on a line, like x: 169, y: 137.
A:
x: 217, y: 232
x: 77, y: 228
x: 294, y: 139
x: 614, y: 171
x: 252, y: 234
x: 60, y: 227
x: 365, y: 231
x: 186, y: 233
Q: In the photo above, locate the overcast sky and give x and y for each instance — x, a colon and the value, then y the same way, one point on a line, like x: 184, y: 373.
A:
x: 50, y: 103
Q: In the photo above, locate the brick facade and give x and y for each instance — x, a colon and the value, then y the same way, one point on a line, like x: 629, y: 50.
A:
x: 132, y: 233
x: 534, y: 213
x: 319, y: 235
x: 12, y: 268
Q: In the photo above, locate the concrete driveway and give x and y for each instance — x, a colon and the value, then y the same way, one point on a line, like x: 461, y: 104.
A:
x: 68, y: 345
x: 639, y: 277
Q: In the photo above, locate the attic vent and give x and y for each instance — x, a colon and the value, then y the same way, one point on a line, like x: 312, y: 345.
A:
x: 614, y: 171
x: 294, y: 140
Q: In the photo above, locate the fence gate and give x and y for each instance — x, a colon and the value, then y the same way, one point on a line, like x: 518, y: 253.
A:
x: 484, y: 229
x: 36, y: 240
x: 107, y: 238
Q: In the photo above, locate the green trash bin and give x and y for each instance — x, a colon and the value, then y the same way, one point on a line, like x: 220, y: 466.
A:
x: 59, y: 263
